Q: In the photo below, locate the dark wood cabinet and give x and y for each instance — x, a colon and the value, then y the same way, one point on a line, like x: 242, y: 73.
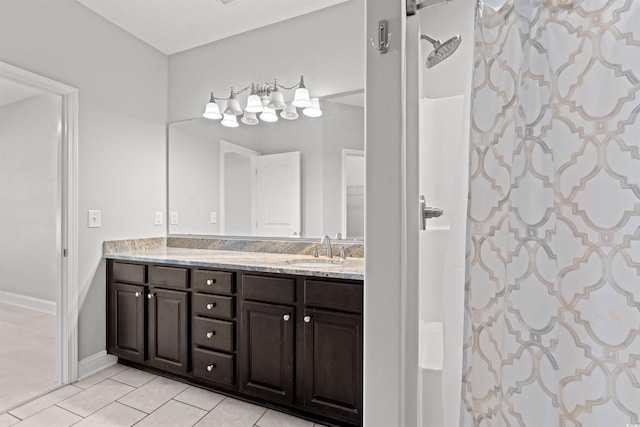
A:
x: 292, y: 341
x: 333, y: 364
x: 267, y: 350
x: 168, y: 330
x: 126, y: 335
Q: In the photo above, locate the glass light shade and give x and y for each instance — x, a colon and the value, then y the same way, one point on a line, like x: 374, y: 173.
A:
x: 269, y: 115
x: 233, y: 107
x: 212, y: 111
x: 301, y: 98
x: 254, y: 105
x: 249, y: 118
x: 229, y: 121
x: 277, y: 100
x: 313, y: 110
x: 289, y: 112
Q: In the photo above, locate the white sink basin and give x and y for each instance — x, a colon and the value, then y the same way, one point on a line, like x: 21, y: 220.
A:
x: 314, y: 264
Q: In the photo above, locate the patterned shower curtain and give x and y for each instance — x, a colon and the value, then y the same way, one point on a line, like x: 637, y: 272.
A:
x: 552, y: 299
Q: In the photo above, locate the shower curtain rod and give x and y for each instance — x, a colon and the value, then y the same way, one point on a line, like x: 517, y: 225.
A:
x: 413, y: 6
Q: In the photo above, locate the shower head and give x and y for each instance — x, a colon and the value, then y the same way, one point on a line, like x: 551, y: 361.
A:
x: 441, y: 51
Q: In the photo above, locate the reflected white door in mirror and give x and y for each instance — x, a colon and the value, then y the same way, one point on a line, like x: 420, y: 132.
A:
x: 259, y: 194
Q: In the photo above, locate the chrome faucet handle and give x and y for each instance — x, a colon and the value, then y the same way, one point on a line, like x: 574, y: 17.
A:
x: 338, y: 236
x: 342, y: 255
x: 315, y: 251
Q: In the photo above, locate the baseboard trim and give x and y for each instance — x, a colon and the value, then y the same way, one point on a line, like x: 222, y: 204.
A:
x: 94, y: 363
x: 32, y: 303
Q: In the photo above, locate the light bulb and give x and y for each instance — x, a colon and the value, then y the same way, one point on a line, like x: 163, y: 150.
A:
x: 229, y: 121
x: 289, y: 112
x: 249, y: 119
x: 313, y: 110
x: 269, y: 115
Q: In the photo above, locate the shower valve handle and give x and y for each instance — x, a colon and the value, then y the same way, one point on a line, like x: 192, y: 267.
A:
x: 427, y: 212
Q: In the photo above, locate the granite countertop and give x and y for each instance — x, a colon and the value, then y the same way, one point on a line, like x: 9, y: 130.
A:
x: 351, y: 268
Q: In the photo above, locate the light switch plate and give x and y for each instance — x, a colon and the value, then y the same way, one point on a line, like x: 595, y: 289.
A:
x: 214, y: 217
x: 94, y: 218
x: 174, y: 218
x: 158, y: 219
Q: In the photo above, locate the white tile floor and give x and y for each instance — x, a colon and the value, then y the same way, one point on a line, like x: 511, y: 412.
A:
x: 124, y: 396
x: 27, y: 355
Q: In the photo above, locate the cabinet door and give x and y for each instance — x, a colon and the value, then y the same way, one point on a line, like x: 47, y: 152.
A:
x: 126, y: 318
x: 333, y: 364
x: 267, y: 350
x: 168, y: 330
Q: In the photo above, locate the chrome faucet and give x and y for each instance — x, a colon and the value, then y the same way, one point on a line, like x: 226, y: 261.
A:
x: 329, y: 253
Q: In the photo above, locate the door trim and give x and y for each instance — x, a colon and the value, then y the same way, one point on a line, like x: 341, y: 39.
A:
x: 67, y: 250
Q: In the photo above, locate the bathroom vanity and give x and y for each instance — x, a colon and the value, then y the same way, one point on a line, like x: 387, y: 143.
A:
x: 254, y: 325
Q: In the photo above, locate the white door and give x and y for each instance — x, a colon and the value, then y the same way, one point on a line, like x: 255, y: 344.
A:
x: 277, y: 207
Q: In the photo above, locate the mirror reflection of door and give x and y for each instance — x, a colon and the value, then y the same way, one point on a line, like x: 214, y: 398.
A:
x: 236, y: 180
x: 278, y: 206
x: 353, y: 180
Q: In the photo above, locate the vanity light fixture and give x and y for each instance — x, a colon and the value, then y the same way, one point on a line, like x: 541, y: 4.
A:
x: 263, y: 102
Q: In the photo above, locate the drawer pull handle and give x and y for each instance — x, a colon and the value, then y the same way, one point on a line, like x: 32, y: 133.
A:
x: 137, y: 294
x: 307, y: 319
x: 211, y: 367
x: 286, y: 317
x: 211, y: 305
x: 211, y: 334
x: 211, y: 282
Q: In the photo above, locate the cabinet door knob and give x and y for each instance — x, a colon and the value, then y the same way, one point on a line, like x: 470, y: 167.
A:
x: 286, y: 317
x: 211, y: 305
x: 211, y: 281
x: 307, y: 319
x: 211, y: 367
x: 211, y: 334
x: 150, y: 296
x: 137, y: 294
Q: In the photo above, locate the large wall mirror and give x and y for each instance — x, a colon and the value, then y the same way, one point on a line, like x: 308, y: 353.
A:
x: 293, y: 179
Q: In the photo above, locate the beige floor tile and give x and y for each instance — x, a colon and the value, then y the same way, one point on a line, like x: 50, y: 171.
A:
x: 44, y: 402
x: 28, y: 340
x: 134, y: 377
x: 113, y: 415
x: 95, y: 398
x: 173, y: 414
x: 51, y: 417
x: 7, y: 420
x: 273, y: 418
x: 100, y: 376
x: 201, y: 398
x: 153, y: 394
x: 232, y: 413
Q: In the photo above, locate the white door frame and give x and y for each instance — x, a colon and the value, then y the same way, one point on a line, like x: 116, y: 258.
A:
x: 229, y: 147
x: 346, y: 152
x: 67, y: 250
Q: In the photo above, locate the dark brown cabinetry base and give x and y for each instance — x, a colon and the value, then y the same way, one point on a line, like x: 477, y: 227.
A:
x: 284, y: 341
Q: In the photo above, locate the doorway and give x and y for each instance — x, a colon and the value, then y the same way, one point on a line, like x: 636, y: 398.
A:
x: 63, y: 298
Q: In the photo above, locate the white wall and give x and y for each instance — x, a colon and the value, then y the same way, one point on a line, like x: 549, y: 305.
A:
x: 29, y: 145
x: 122, y: 86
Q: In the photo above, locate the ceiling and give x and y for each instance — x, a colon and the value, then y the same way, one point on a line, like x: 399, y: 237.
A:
x: 175, y: 25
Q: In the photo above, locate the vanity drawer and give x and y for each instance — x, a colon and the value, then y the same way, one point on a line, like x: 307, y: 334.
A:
x: 214, y: 305
x: 128, y: 273
x: 213, y: 334
x: 271, y: 289
x: 215, y: 367
x: 333, y: 295
x: 217, y: 282
x: 173, y: 277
